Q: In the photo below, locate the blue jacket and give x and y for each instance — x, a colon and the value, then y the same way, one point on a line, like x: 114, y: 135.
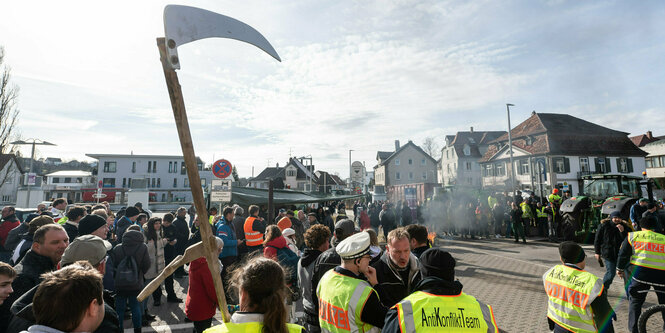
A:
x: 227, y: 234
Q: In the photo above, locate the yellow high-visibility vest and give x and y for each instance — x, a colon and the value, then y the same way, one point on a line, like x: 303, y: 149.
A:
x: 423, y: 312
x: 341, y: 301
x: 648, y: 249
x: 570, y: 292
x: 247, y: 327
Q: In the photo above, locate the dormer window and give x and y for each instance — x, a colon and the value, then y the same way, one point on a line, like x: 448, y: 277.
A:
x: 528, y: 141
x: 466, y: 150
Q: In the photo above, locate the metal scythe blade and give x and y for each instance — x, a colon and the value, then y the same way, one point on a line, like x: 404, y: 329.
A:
x: 184, y: 24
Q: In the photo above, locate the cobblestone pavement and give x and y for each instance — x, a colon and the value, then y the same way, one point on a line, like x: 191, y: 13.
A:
x: 499, y: 272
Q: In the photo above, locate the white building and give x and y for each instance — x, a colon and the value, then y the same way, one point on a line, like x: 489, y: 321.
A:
x: 557, y: 150
x: 459, y: 164
x: 164, y: 176
x: 68, y: 184
x: 10, y: 179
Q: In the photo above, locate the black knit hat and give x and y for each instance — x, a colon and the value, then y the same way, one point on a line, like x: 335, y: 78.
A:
x: 439, y: 263
x: 571, y: 252
x: 90, y: 223
x: 131, y: 211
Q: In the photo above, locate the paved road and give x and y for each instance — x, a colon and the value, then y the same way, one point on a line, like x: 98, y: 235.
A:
x: 508, y: 276
x: 499, y: 272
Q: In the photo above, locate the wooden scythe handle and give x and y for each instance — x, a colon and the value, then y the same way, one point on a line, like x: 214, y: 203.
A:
x: 192, y: 253
x: 180, y: 115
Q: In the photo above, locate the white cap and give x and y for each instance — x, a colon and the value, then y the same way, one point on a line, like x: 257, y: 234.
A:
x: 354, y: 246
x: 288, y: 232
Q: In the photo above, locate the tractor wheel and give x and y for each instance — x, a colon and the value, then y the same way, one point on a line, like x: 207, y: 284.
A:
x: 569, y: 226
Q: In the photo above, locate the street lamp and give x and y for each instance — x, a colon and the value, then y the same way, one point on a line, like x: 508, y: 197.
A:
x: 34, y: 143
x: 350, y: 169
x: 510, y: 147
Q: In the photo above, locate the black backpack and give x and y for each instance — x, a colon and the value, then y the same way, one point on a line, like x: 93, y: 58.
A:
x: 127, y: 273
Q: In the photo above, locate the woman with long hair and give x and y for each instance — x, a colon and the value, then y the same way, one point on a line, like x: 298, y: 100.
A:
x: 156, y: 242
x: 261, y: 287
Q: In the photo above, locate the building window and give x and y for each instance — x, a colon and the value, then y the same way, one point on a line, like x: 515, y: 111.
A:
x: 6, y: 198
x: 170, y: 166
x: 397, y: 176
x: 410, y: 175
x: 603, y: 165
x: 524, y: 167
x: 183, y: 169
x: 397, y: 161
x: 467, y: 150
x: 175, y: 166
x: 56, y: 180
x: 500, y: 169
x: 159, y: 182
x: 468, y: 165
x: 109, y: 166
x: 108, y: 182
x: 175, y: 182
x: 584, y: 164
x: 662, y: 161
x: 185, y: 182
x: 153, y: 182
x: 68, y: 179
x: 79, y: 180
x: 625, y: 165
x: 133, y: 167
x: 488, y: 171
x: 291, y: 173
x: 561, y: 164
x: 410, y: 162
x: 154, y: 166
x: 124, y: 182
x: 425, y: 175
x: 447, y: 153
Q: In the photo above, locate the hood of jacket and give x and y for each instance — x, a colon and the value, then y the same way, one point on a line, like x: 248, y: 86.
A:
x: 132, y: 239
x: 438, y: 286
x: 309, y: 257
x: 279, y: 242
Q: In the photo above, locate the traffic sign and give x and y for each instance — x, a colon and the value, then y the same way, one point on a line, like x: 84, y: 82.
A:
x: 220, y: 190
x: 222, y: 168
x: 99, y: 195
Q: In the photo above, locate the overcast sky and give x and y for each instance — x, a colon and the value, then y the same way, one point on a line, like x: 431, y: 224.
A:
x: 354, y: 74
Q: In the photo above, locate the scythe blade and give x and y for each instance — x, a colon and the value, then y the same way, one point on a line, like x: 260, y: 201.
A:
x: 184, y: 24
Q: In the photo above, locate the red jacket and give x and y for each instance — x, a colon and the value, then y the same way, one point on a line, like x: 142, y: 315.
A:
x: 5, y: 228
x: 270, y: 252
x: 201, y: 302
x: 364, y: 220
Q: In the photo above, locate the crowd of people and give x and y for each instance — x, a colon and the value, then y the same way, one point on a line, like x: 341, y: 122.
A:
x: 306, y: 270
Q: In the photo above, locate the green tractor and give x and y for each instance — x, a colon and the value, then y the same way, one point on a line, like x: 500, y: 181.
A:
x: 601, y: 195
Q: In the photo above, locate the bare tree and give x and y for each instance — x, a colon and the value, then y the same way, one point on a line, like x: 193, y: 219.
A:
x: 8, y: 110
x: 8, y: 114
x: 431, y: 147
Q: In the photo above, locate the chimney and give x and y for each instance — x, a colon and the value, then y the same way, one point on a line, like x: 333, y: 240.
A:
x: 276, y: 165
x: 396, y: 145
x: 471, y: 129
x: 649, y: 135
x: 533, y: 113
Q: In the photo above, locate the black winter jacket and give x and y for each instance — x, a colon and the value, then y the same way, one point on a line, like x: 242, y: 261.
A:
x: 28, y: 273
x: 24, y: 317
x: 392, y: 288
x: 133, y: 244
x: 609, y: 239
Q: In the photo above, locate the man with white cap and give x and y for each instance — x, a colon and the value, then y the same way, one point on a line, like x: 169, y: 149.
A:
x: 347, y: 301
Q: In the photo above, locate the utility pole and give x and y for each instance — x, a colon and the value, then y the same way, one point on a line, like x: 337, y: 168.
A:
x: 350, y: 170
x: 510, y: 146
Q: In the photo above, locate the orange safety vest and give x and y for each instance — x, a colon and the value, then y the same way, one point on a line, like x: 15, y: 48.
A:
x: 252, y: 237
